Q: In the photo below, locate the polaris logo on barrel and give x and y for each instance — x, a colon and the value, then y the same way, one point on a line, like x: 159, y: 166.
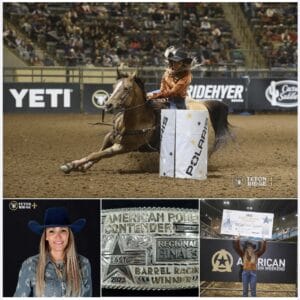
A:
x: 220, y: 92
x: 283, y: 93
x: 41, y: 97
x: 196, y: 157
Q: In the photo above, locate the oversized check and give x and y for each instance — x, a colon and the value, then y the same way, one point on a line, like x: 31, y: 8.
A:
x: 246, y: 223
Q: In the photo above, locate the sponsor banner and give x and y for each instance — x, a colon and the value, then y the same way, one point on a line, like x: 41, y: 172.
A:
x: 41, y: 97
x: 245, y: 223
x: 231, y: 91
x: 273, y: 94
x: 94, y: 96
x: 188, y: 159
x: 220, y: 262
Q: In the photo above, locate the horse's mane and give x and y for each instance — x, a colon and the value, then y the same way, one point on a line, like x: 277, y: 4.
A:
x: 138, y: 81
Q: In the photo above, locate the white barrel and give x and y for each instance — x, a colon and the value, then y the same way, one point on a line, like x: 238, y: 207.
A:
x: 184, y: 144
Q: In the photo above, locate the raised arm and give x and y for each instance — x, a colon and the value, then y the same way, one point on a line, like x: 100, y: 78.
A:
x: 237, y: 247
x: 262, y: 249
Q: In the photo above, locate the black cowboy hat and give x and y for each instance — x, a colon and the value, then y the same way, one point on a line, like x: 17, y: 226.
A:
x: 179, y: 55
x: 248, y: 243
x: 56, y: 217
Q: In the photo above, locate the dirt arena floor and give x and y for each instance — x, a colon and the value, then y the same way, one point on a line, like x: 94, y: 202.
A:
x: 235, y: 289
x: 35, y: 145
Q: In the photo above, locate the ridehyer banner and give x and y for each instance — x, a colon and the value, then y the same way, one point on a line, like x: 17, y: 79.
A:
x: 246, y: 223
x: 232, y: 91
x: 220, y: 262
x: 41, y: 97
x: 184, y: 144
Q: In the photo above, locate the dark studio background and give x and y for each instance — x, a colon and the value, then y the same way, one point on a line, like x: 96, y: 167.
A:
x: 173, y: 203
x: 19, y: 242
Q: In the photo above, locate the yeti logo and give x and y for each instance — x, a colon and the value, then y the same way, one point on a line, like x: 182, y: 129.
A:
x: 99, y: 98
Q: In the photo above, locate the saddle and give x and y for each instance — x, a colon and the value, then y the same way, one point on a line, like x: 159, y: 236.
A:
x: 158, y: 104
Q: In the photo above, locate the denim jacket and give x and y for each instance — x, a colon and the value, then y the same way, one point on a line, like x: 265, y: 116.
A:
x: 54, y: 286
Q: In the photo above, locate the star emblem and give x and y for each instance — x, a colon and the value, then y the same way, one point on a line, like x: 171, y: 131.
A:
x: 189, y: 116
x: 222, y: 261
x: 120, y: 260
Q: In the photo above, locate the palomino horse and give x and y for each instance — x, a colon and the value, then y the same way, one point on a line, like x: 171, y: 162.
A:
x: 135, y: 126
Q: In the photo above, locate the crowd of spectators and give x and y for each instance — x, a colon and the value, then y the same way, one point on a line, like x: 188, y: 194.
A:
x: 105, y: 34
x: 22, y: 46
x: 275, y: 29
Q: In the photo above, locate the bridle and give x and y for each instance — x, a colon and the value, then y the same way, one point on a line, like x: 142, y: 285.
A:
x: 124, y: 98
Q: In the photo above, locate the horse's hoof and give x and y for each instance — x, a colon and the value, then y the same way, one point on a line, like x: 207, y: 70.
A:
x: 67, y: 168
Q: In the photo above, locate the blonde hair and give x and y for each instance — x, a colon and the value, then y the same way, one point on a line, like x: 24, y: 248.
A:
x: 250, y: 257
x: 73, y: 273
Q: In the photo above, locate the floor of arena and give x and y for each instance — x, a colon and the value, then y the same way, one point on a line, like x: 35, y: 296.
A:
x: 234, y: 289
x: 35, y: 145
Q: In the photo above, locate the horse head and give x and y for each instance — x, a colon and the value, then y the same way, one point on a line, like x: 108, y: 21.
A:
x: 123, y: 92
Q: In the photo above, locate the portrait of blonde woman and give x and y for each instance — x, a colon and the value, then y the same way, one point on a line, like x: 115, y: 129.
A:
x: 57, y: 270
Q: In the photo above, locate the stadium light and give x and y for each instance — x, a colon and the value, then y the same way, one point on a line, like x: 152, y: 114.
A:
x: 283, y: 218
x: 226, y: 202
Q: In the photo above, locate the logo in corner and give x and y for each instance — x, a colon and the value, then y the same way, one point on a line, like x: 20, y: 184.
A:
x: 283, y: 93
x: 99, y: 97
x: 13, y: 205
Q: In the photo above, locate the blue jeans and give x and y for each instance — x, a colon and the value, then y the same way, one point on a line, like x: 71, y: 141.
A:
x: 249, y: 278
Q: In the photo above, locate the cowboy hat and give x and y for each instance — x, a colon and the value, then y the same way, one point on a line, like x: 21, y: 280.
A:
x: 248, y: 243
x: 179, y: 55
x: 56, y: 217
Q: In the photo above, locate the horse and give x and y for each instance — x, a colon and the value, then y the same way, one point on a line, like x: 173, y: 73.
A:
x: 135, y: 125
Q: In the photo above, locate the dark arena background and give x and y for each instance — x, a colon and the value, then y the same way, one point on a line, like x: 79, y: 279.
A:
x: 277, y: 267
x: 59, y: 58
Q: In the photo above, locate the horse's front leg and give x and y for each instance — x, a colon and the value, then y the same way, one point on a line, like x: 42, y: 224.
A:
x: 108, y: 141
x: 86, y: 162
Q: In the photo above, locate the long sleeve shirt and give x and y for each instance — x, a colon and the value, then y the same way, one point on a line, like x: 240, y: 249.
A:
x: 54, y: 285
x: 171, y: 86
x: 249, y: 265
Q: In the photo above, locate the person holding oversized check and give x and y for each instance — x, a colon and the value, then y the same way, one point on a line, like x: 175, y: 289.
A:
x: 249, y: 255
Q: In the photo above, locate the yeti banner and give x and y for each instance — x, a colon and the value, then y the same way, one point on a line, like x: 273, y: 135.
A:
x: 41, y: 97
x: 184, y: 136
x: 220, y: 262
x: 94, y: 96
x: 246, y: 223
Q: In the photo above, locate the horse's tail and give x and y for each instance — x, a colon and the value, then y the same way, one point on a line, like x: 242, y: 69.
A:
x: 218, y: 113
